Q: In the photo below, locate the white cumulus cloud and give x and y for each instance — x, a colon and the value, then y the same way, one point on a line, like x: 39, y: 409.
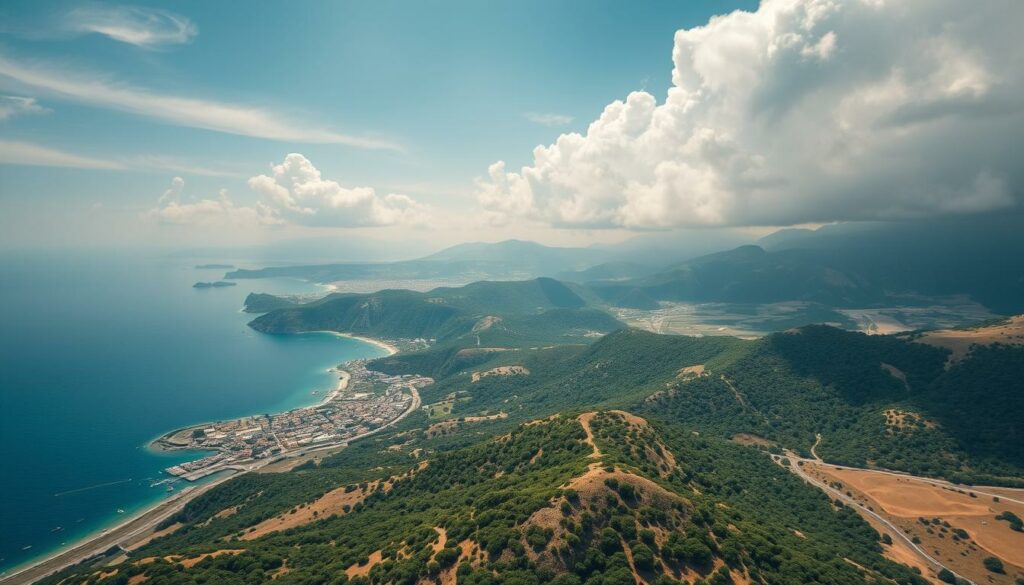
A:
x: 802, y: 111
x: 143, y: 27
x: 295, y: 193
x: 216, y: 212
x: 298, y: 192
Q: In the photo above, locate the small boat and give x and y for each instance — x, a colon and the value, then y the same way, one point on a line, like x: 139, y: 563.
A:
x: 26, y: 547
x: 57, y: 529
x: 120, y: 511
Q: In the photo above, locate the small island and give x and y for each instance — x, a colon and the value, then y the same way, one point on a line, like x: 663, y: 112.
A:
x: 217, y: 284
x: 215, y: 267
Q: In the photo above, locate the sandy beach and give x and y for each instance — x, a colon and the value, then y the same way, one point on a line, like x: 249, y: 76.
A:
x: 342, y: 385
x: 392, y: 350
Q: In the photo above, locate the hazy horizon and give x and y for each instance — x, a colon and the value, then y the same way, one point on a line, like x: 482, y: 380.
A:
x: 436, y: 124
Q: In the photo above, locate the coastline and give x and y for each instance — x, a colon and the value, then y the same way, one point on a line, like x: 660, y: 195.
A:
x: 161, y: 444
x: 122, y: 533
x: 392, y: 350
x: 343, y: 379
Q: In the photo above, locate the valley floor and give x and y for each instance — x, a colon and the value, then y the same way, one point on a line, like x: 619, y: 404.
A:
x: 755, y: 320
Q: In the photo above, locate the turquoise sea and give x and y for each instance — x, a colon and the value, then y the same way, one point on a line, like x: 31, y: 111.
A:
x: 101, y: 353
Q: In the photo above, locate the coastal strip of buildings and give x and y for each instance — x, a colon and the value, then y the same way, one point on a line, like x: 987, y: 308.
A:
x: 370, y: 401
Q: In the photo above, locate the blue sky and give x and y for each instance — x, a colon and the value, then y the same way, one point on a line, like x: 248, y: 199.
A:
x: 450, y: 84
x: 143, y: 125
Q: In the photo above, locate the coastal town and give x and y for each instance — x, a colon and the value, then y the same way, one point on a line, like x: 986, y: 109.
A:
x: 363, y: 402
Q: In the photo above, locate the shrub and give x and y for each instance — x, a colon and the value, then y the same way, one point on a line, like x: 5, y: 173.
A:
x: 538, y: 537
x: 643, y: 557
x: 609, y: 541
x: 647, y: 536
x: 696, y: 552
x: 993, y: 564
x: 447, y: 556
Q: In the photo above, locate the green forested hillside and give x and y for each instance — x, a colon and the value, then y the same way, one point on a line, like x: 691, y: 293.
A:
x: 506, y: 487
x: 264, y: 303
x: 747, y: 274
x: 850, y: 265
x: 787, y: 387
x: 790, y: 386
x: 539, y: 504
x: 517, y: 313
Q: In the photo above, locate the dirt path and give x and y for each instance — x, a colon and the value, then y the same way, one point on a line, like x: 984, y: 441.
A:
x: 358, y: 570
x: 468, y: 551
x: 629, y: 560
x: 897, y: 373
x: 814, y: 447
x: 584, y: 420
x: 630, y: 418
x: 442, y: 540
x: 736, y: 393
x: 742, y: 399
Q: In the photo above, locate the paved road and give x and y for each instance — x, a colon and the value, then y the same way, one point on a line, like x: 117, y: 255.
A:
x: 893, y: 530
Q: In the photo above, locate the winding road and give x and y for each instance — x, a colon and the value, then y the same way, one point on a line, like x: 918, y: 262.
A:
x: 893, y: 530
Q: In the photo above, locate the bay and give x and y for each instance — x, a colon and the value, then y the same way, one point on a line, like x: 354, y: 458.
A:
x: 101, y: 353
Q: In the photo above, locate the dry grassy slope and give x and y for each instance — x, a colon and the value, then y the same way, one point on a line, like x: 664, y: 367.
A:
x: 961, y: 341
x: 904, y: 500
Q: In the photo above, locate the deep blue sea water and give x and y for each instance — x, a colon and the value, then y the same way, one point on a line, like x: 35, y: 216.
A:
x: 99, y: 354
